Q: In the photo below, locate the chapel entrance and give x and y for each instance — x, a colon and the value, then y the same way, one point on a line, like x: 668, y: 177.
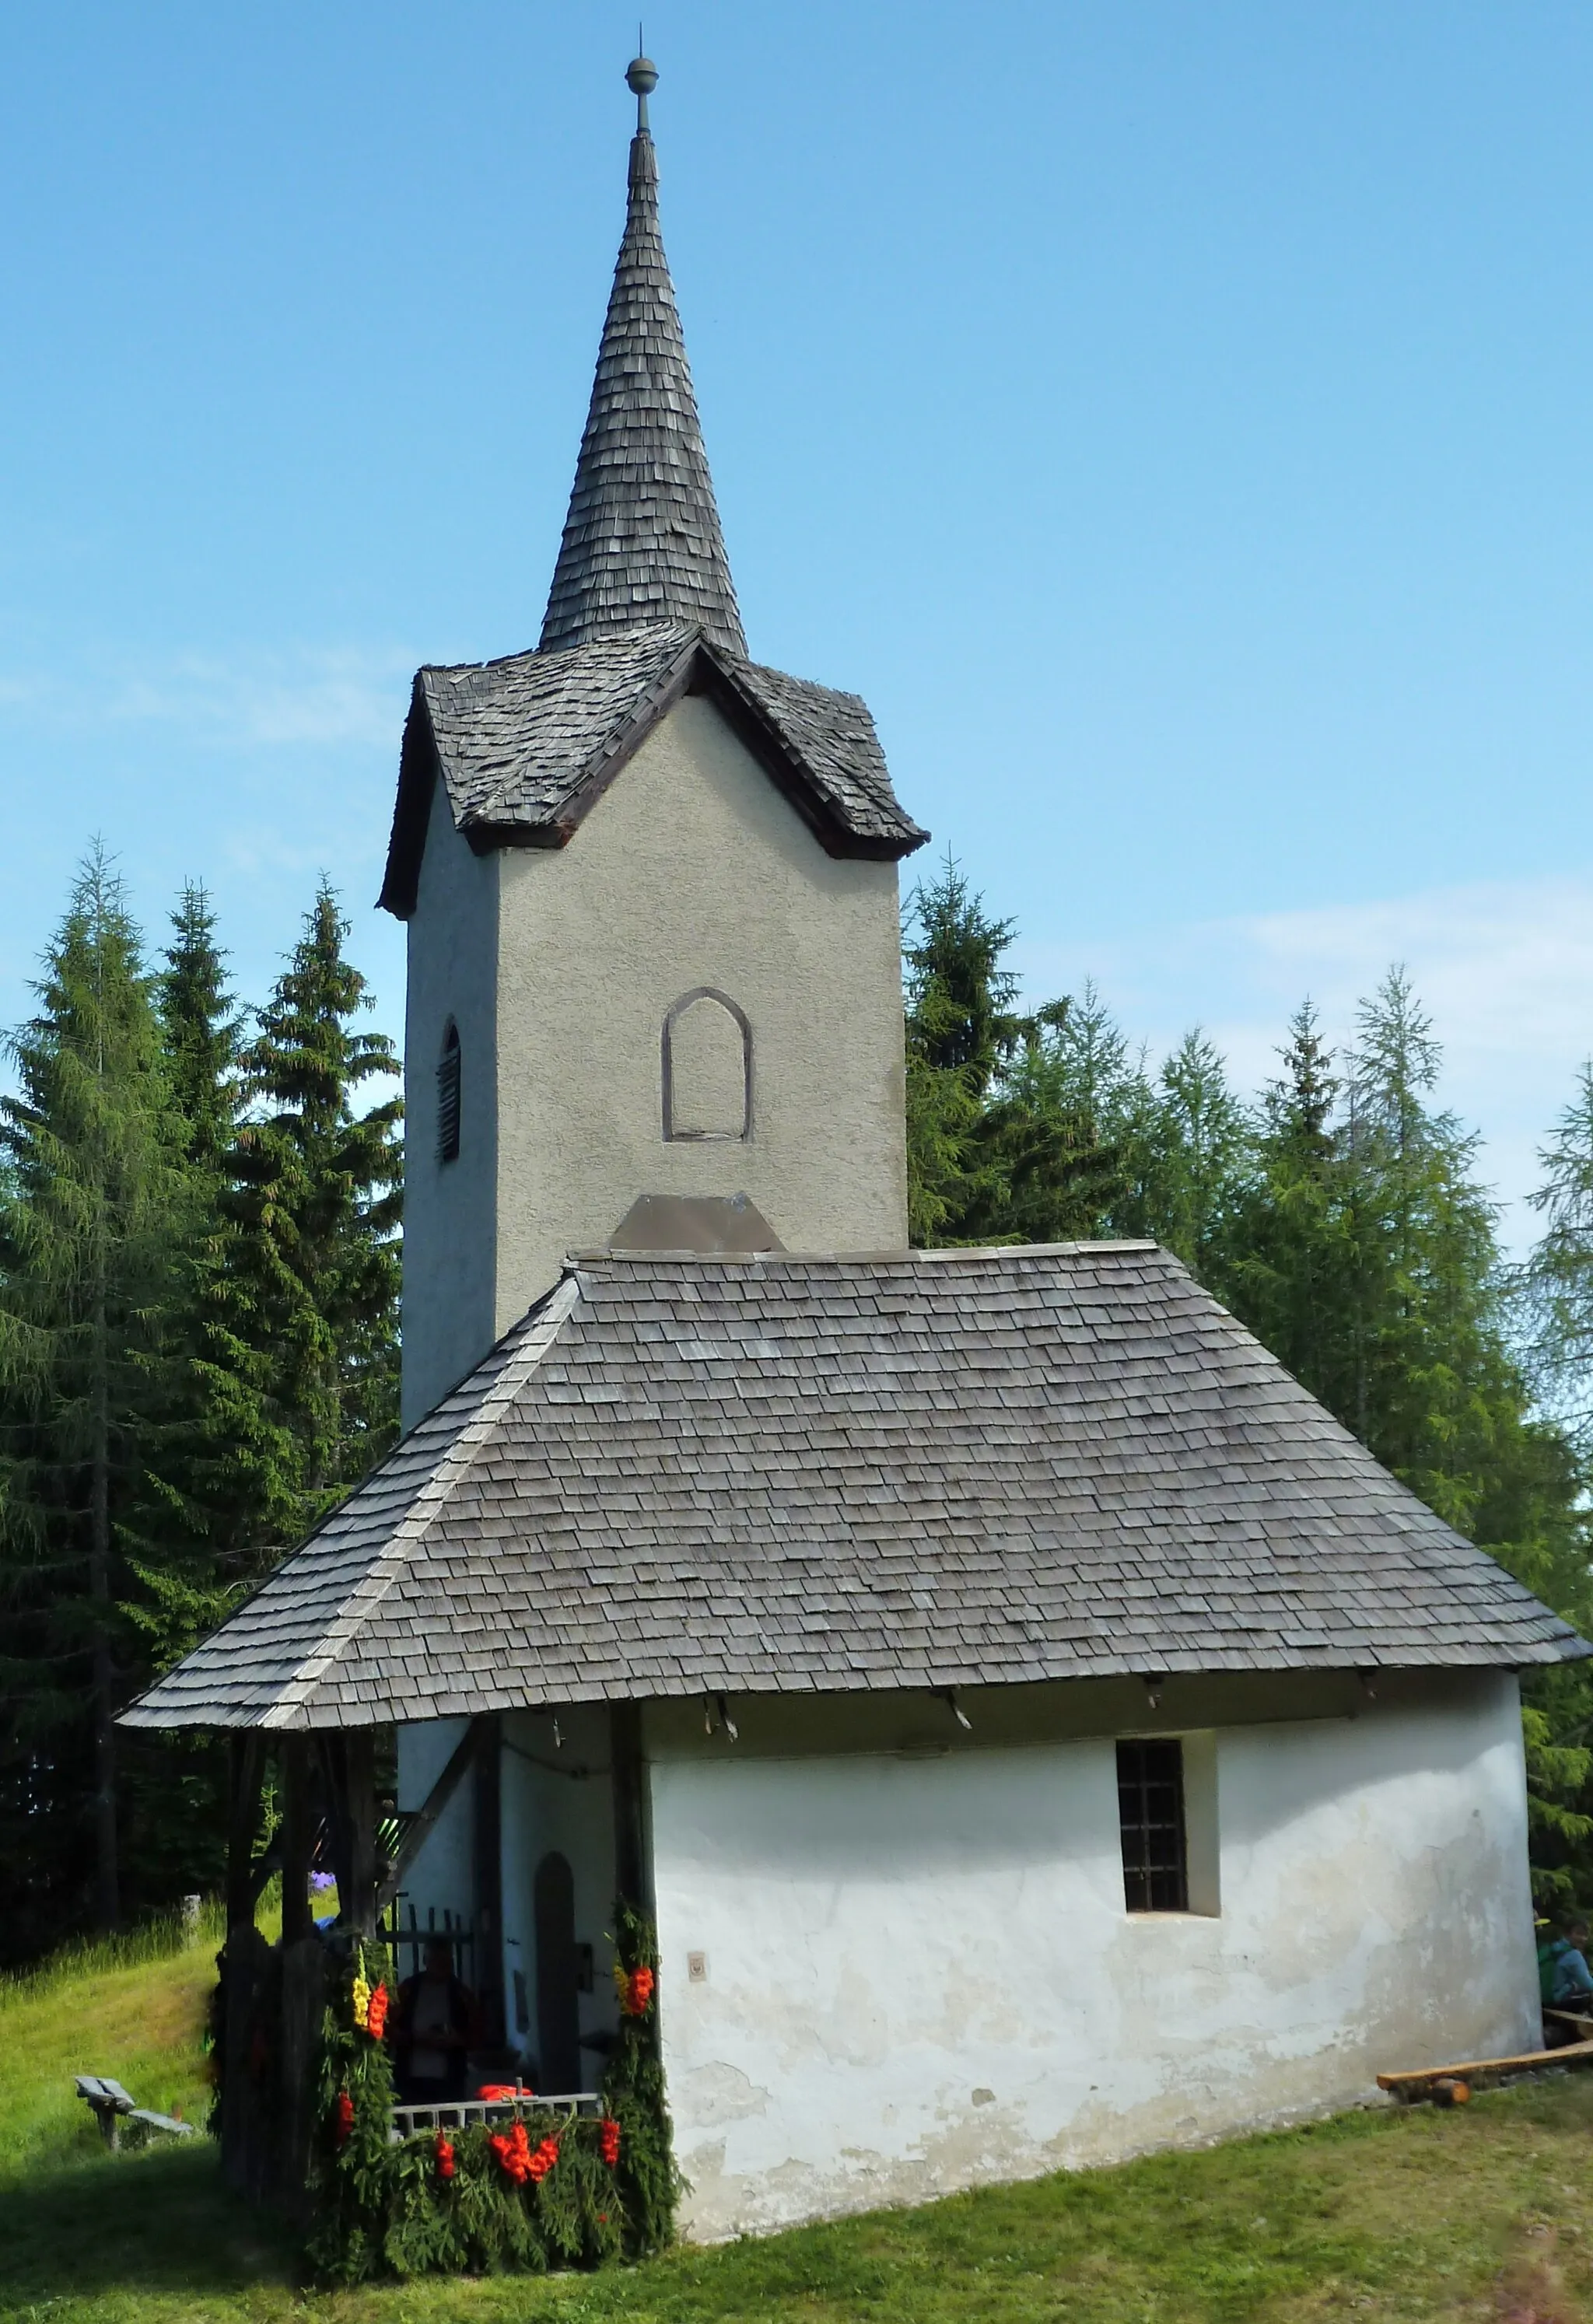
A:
x: 559, y: 1970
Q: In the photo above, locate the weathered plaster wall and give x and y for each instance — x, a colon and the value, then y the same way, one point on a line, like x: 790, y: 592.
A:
x: 693, y: 871
x: 449, y: 1232
x: 920, y: 1973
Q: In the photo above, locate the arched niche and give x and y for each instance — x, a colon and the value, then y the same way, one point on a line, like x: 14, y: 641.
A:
x: 707, y: 1067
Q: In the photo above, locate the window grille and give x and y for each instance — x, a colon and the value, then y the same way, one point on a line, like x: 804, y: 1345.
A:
x: 1150, y: 1813
x: 448, y: 1098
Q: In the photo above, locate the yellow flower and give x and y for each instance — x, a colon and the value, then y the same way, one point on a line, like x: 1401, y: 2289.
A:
x: 362, y: 2002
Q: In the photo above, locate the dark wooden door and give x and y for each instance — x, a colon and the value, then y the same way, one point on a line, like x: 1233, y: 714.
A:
x: 559, y: 2008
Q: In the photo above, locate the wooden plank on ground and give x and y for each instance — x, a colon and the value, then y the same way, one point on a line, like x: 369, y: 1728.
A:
x: 1574, y: 2053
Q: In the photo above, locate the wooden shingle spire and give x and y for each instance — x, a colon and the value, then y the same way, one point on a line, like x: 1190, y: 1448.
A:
x: 641, y: 542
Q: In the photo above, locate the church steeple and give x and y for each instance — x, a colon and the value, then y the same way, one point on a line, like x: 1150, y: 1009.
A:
x: 641, y: 542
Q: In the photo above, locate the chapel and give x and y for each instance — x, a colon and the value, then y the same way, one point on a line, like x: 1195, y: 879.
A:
x: 1034, y: 1727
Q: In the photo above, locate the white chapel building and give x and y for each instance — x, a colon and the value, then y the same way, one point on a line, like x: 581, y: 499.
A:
x: 1039, y: 1730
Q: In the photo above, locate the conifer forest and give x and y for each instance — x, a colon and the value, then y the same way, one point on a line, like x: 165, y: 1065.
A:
x: 199, y: 1270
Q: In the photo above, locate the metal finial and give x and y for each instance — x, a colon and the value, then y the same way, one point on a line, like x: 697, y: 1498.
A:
x: 642, y: 76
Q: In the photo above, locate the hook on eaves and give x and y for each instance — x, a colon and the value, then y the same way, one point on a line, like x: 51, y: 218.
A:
x: 716, y: 1710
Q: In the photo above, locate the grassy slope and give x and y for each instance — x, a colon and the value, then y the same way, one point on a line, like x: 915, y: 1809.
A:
x: 1486, y: 2212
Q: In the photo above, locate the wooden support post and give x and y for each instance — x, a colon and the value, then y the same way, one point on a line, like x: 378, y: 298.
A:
x: 241, y: 1958
x: 302, y: 2004
x: 299, y: 1831
x: 631, y: 1867
x: 487, y: 1799
x: 359, y: 1757
x: 246, y: 1770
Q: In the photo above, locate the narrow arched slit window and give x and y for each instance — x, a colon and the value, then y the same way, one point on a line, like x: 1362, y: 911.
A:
x: 448, y: 1097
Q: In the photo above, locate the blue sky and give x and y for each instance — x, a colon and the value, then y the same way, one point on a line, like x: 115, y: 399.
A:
x: 1174, y: 420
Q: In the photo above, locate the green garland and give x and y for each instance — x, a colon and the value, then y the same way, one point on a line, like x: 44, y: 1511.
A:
x: 634, y: 2093
x: 446, y: 2201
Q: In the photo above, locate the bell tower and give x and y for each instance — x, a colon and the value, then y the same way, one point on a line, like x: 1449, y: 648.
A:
x: 652, y: 895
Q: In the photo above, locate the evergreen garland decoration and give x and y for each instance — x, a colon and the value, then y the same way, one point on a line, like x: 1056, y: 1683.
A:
x: 633, y: 2092
x: 571, y: 2192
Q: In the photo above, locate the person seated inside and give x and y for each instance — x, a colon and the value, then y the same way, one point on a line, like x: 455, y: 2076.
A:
x: 1563, y: 1974
x: 436, y: 2025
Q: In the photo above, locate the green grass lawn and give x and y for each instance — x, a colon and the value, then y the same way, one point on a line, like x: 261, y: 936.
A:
x: 1485, y: 2213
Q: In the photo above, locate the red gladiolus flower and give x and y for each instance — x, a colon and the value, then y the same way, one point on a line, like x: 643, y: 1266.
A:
x: 608, y: 2141
x: 513, y: 2151
x: 444, y: 2151
x: 639, y: 1992
x: 376, y: 2013
x: 544, y: 2159
x: 343, y: 2115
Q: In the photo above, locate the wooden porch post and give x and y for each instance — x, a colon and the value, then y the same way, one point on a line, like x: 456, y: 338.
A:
x: 487, y: 1799
x: 630, y: 1870
x: 243, y: 1959
x: 245, y: 1771
x: 359, y: 1750
x: 299, y: 1831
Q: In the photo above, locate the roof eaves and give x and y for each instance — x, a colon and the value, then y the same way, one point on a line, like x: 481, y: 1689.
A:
x: 490, y: 825
x: 420, y: 766
x: 292, y: 1707
x: 719, y: 679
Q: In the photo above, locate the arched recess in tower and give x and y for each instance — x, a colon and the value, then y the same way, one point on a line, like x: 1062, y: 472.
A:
x: 707, y: 1067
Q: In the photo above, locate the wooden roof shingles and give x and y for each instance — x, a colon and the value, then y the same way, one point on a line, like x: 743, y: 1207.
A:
x: 683, y: 1475
x: 525, y: 746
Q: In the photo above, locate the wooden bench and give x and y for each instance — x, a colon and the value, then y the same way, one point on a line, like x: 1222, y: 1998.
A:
x: 1447, y: 2083
x: 112, y: 2106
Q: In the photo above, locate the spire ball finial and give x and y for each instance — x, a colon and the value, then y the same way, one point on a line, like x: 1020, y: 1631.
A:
x: 642, y: 76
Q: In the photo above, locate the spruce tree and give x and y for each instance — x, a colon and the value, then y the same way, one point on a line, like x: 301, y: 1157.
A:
x: 97, y: 1219
x: 1192, y: 1145
x: 1558, y: 1281
x: 312, y: 1326
x: 199, y: 1476
x: 1294, y: 1260
x: 992, y: 1155
x: 198, y: 1514
x: 201, y: 1030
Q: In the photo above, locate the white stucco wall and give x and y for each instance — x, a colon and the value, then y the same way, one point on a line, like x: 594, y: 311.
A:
x: 694, y: 871
x: 450, y: 1259
x: 920, y: 1973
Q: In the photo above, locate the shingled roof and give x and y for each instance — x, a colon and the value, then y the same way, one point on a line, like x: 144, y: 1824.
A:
x: 642, y: 609
x: 527, y: 745
x: 682, y: 1475
x: 641, y: 542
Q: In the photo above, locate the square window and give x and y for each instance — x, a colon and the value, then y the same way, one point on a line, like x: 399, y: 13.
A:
x: 1150, y: 1815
